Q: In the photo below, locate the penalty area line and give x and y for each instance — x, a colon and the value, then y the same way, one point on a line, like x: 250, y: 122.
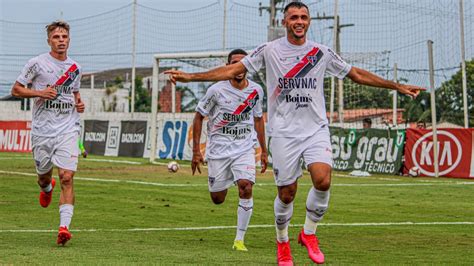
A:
x: 208, y: 228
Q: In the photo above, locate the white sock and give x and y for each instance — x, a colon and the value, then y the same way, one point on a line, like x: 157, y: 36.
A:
x: 244, y: 212
x: 316, y: 205
x: 65, y: 214
x: 283, y: 213
x: 47, y: 189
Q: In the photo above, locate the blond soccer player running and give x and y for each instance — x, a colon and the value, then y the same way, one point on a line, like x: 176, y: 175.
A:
x: 55, y: 80
x: 234, y: 109
x: 297, y: 123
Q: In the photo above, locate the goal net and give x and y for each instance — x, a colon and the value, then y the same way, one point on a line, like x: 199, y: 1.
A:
x: 189, y: 93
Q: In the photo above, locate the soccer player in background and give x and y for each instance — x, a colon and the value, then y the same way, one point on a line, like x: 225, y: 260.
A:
x: 234, y: 109
x: 55, y: 128
x: 297, y: 122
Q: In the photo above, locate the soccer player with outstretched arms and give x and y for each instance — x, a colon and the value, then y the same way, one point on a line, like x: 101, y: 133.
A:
x: 297, y: 123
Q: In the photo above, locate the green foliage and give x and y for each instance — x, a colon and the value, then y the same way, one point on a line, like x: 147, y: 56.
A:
x: 449, y: 97
x: 142, y: 97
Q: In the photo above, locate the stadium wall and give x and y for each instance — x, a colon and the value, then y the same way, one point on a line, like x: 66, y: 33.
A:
x: 368, y: 150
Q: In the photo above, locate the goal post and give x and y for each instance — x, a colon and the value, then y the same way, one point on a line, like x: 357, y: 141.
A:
x: 189, y: 62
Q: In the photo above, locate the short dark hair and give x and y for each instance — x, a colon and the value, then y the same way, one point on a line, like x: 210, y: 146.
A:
x: 295, y: 5
x: 234, y: 52
x: 367, y: 120
x: 57, y: 24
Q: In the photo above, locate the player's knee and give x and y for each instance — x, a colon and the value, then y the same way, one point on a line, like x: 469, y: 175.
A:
x: 324, y: 184
x: 287, y: 195
x: 217, y: 198
x: 245, y: 189
x: 66, y: 179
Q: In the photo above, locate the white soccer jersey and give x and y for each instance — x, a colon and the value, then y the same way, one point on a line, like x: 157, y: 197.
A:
x: 231, y: 112
x: 295, y: 78
x: 59, y: 116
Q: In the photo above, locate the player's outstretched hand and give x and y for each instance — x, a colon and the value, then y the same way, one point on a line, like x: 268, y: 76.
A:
x: 264, y: 162
x: 176, y: 75
x: 80, y: 107
x: 410, y: 90
x: 196, y: 162
x: 49, y: 93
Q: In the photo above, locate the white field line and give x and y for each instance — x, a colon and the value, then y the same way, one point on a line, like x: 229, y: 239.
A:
x: 205, y: 167
x: 453, y: 183
x: 233, y: 227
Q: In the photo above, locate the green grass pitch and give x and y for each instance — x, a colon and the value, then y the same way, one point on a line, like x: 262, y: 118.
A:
x: 134, y: 212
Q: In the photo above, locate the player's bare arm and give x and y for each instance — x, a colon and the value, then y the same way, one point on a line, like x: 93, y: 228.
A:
x: 19, y: 90
x: 197, y: 156
x: 365, y: 77
x: 217, y: 74
x: 259, y: 125
x: 80, y: 107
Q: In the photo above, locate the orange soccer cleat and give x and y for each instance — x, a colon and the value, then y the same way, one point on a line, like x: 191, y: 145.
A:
x: 312, y: 244
x: 63, y: 236
x: 45, y: 197
x: 284, y: 254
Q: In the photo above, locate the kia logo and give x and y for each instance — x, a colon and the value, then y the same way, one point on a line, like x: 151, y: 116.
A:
x: 449, y: 153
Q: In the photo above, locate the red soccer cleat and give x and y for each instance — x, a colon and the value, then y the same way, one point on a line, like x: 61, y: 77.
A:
x: 63, y: 236
x: 312, y: 244
x: 284, y: 254
x: 45, y: 198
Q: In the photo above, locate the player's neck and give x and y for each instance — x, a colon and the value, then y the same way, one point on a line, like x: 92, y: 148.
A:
x: 296, y: 41
x: 239, y: 84
x: 58, y: 56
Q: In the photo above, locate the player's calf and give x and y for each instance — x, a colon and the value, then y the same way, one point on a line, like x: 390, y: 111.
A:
x: 244, y: 212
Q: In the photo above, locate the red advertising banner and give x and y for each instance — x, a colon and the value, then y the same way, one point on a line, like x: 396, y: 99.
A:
x: 455, y: 149
x: 15, y: 136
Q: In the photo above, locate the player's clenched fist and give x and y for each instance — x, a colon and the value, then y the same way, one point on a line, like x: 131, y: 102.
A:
x: 49, y: 93
x: 80, y: 107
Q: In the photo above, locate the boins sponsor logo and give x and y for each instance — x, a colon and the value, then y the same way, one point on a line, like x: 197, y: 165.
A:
x: 59, y: 106
x: 237, y: 132
x: 301, y: 101
x: 449, y: 153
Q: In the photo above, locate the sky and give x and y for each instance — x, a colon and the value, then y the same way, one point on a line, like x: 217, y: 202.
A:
x: 399, y: 26
x: 48, y: 10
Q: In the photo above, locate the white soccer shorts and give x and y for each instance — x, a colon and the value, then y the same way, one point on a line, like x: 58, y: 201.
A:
x: 61, y: 151
x: 288, y: 153
x: 223, y: 173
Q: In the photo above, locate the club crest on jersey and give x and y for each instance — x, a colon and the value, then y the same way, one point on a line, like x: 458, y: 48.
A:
x: 313, y: 59
x: 72, y: 75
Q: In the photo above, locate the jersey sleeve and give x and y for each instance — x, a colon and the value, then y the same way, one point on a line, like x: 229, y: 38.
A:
x: 76, y: 85
x: 29, y: 72
x: 337, y: 66
x: 258, y: 108
x: 207, y: 102
x: 254, y: 61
